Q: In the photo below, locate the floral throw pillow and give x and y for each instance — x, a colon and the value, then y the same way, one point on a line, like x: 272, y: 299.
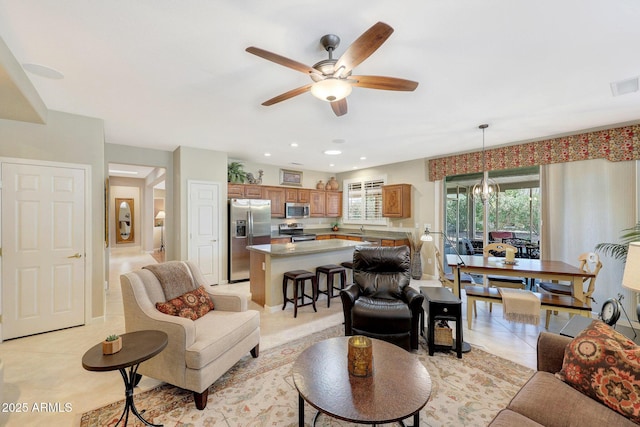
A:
x: 191, y: 305
x: 605, y: 365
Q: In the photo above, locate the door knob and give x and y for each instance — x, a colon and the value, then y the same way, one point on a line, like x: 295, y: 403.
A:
x: 76, y: 255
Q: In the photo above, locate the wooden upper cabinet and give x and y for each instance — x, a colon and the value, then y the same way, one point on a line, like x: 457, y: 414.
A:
x: 317, y: 203
x: 235, y: 191
x: 253, y: 191
x: 291, y: 195
x: 333, y: 207
x: 396, y: 201
x: 277, y: 196
x: 304, y: 195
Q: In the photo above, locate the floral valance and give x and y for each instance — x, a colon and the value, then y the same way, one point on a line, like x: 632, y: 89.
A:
x: 616, y: 145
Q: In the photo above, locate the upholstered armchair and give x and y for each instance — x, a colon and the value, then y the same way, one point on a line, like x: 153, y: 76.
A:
x: 380, y: 303
x: 199, y: 351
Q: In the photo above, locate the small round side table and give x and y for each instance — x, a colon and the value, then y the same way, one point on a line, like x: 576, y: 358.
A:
x: 136, y: 348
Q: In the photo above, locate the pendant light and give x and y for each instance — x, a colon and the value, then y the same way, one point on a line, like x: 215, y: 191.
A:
x: 486, y: 188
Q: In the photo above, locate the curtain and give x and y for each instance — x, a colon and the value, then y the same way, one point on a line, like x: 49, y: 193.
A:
x: 585, y: 203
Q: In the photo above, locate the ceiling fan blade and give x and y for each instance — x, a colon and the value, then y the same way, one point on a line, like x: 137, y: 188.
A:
x: 287, y: 95
x: 383, y: 83
x: 363, y: 47
x: 339, y: 107
x: 278, y: 59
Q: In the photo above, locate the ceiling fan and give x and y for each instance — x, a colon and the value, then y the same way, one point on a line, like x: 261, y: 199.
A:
x: 332, y: 78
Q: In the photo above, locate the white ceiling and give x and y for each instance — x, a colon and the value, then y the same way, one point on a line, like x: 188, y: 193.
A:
x: 168, y: 73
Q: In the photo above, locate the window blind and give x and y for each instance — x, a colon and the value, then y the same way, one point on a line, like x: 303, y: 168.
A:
x: 364, y: 199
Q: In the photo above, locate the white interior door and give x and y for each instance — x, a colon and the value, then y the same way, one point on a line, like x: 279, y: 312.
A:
x: 204, y: 228
x: 43, y: 248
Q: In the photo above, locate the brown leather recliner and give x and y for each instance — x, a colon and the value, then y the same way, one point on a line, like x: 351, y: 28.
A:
x: 381, y: 304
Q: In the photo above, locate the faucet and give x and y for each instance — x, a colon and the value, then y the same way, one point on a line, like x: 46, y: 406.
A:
x: 362, y: 228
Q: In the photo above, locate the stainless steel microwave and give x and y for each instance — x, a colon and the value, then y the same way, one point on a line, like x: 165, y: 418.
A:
x: 296, y: 210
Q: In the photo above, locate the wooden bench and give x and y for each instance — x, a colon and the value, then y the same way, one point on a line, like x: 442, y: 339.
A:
x: 548, y: 302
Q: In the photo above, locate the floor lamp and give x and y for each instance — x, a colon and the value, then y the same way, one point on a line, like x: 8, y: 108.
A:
x: 161, y: 215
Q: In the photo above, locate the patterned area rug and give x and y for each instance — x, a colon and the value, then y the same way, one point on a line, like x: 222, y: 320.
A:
x: 260, y: 392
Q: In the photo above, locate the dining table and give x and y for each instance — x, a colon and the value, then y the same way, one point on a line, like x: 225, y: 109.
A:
x: 547, y: 270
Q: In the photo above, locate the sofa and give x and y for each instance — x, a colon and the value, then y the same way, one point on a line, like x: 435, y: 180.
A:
x: 548, y: 401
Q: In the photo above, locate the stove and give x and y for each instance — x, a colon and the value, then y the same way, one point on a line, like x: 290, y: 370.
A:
x: 296, y: 231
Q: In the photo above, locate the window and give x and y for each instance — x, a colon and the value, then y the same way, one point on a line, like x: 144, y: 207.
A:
x: 363, y: 200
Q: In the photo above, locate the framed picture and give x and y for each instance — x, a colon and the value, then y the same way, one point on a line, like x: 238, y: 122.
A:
x: 290, y: 177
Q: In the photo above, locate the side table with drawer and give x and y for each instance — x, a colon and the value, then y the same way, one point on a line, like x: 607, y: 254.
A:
x: 441, y: 304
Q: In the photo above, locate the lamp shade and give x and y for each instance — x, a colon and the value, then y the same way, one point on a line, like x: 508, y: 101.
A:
x: 631, y: 278
x: 161, y: 215
x: 331, y: 89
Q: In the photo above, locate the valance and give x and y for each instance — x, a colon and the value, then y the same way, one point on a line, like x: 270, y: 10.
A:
x: 616, y: 145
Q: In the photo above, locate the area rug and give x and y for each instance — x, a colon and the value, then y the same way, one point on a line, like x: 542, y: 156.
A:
x: 260, y: 392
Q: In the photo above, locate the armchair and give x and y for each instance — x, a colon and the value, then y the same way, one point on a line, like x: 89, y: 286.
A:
x: 199, y: 351
x: 381, y: 304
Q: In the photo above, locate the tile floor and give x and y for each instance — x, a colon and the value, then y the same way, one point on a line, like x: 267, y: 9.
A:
x: 47, y: 368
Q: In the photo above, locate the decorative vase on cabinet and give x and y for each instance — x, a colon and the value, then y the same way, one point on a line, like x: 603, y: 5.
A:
x: 332, y: 184
x: 320, y: 185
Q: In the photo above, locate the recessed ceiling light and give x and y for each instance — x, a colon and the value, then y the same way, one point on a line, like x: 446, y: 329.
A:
x: 267, y: 154
x: 332, y: 152
x: 294, y: 144
x: 43, y: 71
x: 355, y: 167
x: 363, y: 158
x: 331, y: 164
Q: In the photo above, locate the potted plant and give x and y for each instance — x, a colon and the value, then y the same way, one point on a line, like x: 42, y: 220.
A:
x: 334, y: 226
x: 112, y: 344
x: 619, y: 250
x: 236, y: 173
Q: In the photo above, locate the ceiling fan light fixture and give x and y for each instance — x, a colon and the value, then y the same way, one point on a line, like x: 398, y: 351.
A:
x: 331, y: 89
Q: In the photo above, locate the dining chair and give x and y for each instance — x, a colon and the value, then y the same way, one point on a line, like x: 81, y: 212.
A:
x: 589, y: 263
x: 447, y: 279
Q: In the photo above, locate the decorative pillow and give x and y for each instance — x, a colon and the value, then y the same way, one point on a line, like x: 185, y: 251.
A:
x: 605, y: 365
x: 192, y: 305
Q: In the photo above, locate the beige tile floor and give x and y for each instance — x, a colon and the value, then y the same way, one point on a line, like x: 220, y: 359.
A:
x: 46, y: 369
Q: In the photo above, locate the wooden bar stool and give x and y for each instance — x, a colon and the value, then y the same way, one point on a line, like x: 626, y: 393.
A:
x: 331, y: 270
x: 299, y: 278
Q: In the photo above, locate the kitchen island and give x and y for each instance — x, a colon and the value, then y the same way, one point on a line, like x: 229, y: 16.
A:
x: 268, y: 263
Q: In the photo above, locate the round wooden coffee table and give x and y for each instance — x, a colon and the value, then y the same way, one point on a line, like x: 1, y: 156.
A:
x: 136, y: 348
x: 399, y: 387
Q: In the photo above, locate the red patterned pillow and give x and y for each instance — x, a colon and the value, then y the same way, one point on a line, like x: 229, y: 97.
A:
x: 192, y: 305
x: 605, y: 365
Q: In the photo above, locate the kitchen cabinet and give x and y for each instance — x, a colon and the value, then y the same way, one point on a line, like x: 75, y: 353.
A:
x: 280, y: 240
x: 235, y: 191
x: 333, y: 206
x: 317, y: 201
x: 304, y: 195
x: 323, y: 237
x: 291, y: 195
x: 253, y: 191
x: 396, y: 201
x: 277, y: 196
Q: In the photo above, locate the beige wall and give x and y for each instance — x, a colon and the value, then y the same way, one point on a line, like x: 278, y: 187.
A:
x: 75, y: 139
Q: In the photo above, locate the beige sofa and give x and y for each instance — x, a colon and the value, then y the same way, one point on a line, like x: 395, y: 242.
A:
x: 199, y: 351
x: 547, y: 401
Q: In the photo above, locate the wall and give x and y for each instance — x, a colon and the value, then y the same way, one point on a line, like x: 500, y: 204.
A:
x: 68, y: 138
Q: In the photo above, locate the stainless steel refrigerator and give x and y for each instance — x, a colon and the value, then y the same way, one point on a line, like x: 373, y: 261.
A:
x: 249, y: 224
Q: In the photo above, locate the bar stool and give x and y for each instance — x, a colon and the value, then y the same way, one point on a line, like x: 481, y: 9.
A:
x: 331, y: 270
x: 349, y: 266
x: 299, y: 278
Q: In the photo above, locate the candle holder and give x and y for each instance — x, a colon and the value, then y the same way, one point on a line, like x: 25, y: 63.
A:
x: 360, y: 356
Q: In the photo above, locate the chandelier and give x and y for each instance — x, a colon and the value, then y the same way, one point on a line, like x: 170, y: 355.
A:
x: 487, y: 187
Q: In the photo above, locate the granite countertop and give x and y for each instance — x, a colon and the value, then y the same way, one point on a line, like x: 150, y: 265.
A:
x: 372, y: 234
x: 306, y: 247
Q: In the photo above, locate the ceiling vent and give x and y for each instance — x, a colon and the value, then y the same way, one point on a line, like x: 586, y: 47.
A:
x: 624, y: 86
